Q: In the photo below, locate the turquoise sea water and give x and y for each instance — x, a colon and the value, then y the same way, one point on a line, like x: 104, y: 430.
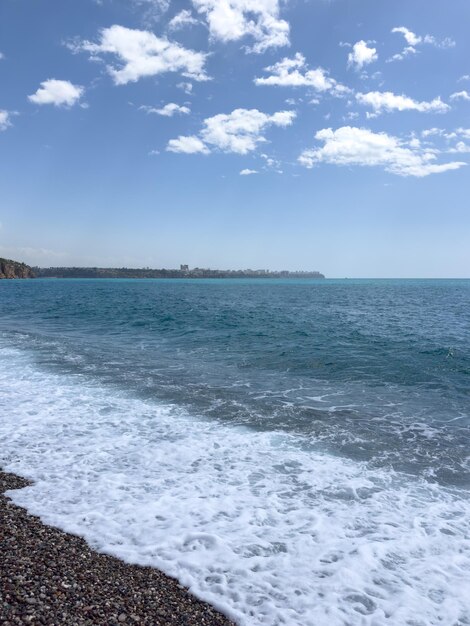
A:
x: 317, y: 427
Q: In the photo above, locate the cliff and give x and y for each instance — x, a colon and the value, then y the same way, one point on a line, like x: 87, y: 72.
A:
x: 14, y: 269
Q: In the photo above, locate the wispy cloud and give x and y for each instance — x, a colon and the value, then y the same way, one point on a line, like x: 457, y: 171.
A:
x: 460, y: 95
x: 293, y: 72
x: 381, y: 101
x: 457, y: 140
x: 186, y: 87
x: 413, y: 41
x: 152, y: 10
x: 5, y: 119
x: 182, y: 19
x: 168, y: 110
x: 31, y: 254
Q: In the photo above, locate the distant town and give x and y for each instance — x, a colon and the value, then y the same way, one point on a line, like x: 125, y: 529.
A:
x: 183, y: 272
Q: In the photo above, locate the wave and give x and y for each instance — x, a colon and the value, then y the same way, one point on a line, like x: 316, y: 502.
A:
x: 257, y: 523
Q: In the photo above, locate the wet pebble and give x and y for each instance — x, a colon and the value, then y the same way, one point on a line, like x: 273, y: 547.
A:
x: 50, y: 578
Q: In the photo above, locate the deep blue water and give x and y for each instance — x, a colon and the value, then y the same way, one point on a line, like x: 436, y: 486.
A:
x: 295, y: 452
x: 375, y: 370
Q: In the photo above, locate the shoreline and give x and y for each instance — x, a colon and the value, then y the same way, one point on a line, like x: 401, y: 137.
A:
x: 52, y: 577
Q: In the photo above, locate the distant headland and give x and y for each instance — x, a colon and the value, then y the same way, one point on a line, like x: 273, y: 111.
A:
x: 16, y: 269
x: 183, y: 272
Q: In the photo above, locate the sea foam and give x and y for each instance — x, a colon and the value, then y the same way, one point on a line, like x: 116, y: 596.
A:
x: 261, y: 525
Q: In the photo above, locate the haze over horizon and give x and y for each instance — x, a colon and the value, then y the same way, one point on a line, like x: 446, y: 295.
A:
x: 286, y: 135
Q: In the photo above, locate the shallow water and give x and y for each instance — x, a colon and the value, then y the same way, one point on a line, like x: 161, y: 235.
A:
x: 294, y: 451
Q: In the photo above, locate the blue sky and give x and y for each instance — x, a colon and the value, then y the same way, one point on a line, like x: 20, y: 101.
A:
x: 282, y: 134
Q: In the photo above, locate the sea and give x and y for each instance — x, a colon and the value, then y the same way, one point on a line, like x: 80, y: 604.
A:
x: 295, y: 452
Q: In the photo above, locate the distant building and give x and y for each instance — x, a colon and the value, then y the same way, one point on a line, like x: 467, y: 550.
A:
x: 184, y: 268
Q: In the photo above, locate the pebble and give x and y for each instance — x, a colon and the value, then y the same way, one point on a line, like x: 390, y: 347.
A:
x: 51, y: 578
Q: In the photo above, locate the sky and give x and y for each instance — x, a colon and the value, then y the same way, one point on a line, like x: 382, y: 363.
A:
x: 329, y: 135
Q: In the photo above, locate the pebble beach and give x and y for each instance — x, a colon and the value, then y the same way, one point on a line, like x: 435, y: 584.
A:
x: 51, y: 577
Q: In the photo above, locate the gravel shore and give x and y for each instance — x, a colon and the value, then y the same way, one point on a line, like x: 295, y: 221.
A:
x: 50, y: 577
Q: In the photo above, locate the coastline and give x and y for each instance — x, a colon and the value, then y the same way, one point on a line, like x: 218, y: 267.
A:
x: 52, y: 577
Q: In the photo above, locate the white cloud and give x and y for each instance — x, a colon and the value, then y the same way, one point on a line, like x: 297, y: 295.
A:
x: 361, y: 55
x: 414, y: 142
x: 293, y: 73
x: 144, y: 54
x: 413, y: 40
x: 187, y: 145
x: 381, y: 101
x: 239, y: 131
x: 248, y: 172
x: 460, y: 147
x: 57, y: 92
x: 5, y: 121
x: 232, y: 20
x: 460, y: 95
x: 360, y: 146
x: 182, y: 19
x: 168, y: 110
x: 464, y: 77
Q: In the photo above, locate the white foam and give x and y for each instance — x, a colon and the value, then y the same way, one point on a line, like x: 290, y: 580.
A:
x: 260, y: 526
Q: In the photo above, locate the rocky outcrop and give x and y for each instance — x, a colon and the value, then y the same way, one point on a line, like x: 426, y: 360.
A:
x: 14, y: 269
